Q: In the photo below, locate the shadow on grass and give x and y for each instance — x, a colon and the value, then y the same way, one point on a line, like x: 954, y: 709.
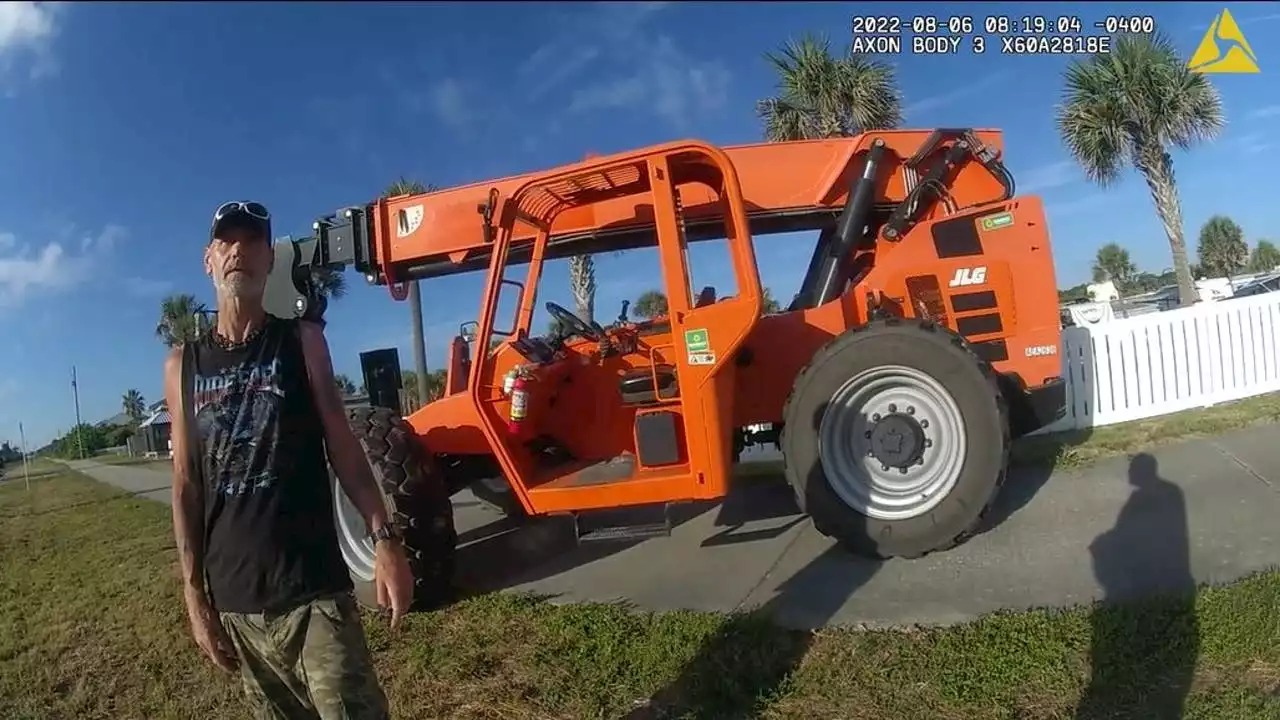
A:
x: 508, y: 552
x: 1143, y: 657
x: 745, y: 666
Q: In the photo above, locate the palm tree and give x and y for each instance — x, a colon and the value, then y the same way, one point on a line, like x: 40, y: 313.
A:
x: 1128, y: 108
x: 821, y: 96
x: 405, y: 186
x: 182, y: 319
x: 329, y: 283
x: 1112, y: 263
x: 582, y: 281
x: 134, y: 405
x: 768, y: 305
x: 651, y: 304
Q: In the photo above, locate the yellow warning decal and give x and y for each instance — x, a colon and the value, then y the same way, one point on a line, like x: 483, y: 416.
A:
x: 1210, y: 57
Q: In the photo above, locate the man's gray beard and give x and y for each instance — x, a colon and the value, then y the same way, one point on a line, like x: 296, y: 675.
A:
x: 241, y: 287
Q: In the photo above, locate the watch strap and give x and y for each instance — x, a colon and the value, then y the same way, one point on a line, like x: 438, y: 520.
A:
x: 388, y: 531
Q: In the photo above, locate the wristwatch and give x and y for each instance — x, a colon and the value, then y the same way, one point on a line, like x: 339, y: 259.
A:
x: 388, y: 531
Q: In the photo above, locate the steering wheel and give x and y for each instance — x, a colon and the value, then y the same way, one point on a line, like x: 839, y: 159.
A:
x: 574, y: 324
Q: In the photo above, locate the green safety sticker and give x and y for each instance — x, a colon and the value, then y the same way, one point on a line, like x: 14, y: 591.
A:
x: 995, y: 222
x: 696, y: 341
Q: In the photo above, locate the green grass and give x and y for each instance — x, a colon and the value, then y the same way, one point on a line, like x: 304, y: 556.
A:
x: 91, y: 626
x: 127, y: 460
x: 1079, y: 448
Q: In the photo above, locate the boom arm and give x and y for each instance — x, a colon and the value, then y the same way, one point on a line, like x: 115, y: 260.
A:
x: 786, y: 186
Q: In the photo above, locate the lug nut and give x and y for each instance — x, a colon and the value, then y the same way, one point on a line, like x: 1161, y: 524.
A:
x: 902, y: 471
x: 924, y: 423
x: 867, y: 434
x: 893, y: 408
x: 928, y: 443
x: 884, y: 468
x: 875, y: 417
x: 911, y: 409
x: 919, y: 461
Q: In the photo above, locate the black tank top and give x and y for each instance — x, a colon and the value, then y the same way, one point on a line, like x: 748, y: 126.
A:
x: 270, y: 541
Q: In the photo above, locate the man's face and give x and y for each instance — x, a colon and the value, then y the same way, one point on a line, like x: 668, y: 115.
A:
x: 239, y: 260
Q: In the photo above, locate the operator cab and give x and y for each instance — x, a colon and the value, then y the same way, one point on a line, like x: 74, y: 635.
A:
x: 585, y: 416
x: 638, y: 386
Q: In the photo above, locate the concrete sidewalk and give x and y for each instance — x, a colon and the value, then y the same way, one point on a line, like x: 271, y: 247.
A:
x: 1205, y: 513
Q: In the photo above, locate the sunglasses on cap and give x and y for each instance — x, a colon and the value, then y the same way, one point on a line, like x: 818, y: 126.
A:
x: 253, y: 209
x: 236, y: 212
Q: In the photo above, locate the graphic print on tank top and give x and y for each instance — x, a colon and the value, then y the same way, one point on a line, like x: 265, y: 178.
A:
x: 237, y: 412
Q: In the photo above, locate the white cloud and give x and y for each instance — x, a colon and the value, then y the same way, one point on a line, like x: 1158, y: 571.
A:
x: 144, y: 287
x: 633, y: 67
x: 1254, y: 143
x: 962, y: 93
x: 448, y: 103
x: 1048, y: 177
x: 28, y: 28
x: 675, y: 86
x: 1266, y: 111
x: 1067, y: 208
x: 56, y: 266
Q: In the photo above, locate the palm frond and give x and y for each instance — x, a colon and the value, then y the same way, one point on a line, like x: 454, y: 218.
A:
x: 1128, y: 106
x: 820, y: 95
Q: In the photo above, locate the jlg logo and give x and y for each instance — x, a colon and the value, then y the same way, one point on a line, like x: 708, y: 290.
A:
x: 969, y: 276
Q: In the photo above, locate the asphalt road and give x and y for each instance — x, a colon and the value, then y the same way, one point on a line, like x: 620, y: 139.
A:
x: 1198, y: 512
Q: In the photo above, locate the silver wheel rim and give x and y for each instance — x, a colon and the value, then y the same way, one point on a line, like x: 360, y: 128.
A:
x: 357, y: 549
x: 879, y: 401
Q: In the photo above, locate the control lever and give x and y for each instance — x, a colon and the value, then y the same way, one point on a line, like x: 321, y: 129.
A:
x: 622, y: 316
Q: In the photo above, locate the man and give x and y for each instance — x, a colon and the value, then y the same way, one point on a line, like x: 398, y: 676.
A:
x: 254, y: 408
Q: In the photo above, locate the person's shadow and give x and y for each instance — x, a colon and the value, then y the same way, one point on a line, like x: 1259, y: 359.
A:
x: 1143, y: 656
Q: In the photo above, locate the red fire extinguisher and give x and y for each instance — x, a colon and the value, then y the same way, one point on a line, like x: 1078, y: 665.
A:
x: 519, y: 403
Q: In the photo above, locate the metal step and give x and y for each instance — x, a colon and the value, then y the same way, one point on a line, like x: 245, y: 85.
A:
x: 626, y: 532
x: 623, y: 524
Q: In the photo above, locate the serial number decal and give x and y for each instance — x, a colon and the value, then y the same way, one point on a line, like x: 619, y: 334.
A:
x: 1041, y: 350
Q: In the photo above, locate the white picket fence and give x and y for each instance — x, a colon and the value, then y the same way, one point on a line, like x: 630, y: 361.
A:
x: 1161, y: 363
x: 1165, y: 362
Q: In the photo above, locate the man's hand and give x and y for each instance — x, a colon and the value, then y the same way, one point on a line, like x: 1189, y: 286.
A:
x: 209, y: 635
x: 393, y: 578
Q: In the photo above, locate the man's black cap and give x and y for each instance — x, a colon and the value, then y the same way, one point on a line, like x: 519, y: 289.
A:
x: 250, y: 216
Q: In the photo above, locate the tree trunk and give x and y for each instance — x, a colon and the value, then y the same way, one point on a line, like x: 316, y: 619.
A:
x: 1157, y: 167
x: 419, y: 343
x: 582, y: 282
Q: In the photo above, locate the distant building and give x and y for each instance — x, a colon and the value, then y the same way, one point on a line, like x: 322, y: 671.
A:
x: 153, y: 434
x: 1103, y: 291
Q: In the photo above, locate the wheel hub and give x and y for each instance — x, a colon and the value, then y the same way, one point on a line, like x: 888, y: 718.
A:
x: 897, y: 440
x: 892, y: 442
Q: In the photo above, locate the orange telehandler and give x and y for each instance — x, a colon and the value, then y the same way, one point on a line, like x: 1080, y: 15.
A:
x: 924, y: 338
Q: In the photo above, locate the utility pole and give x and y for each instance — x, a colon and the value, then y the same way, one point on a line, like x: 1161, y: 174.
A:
x: 75, y: 391
x: 22, y: 439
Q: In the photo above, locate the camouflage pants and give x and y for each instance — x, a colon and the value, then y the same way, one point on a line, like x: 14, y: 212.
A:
x: 310, y: 662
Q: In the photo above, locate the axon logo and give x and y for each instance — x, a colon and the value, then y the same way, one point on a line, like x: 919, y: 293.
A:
x: 969, y: 276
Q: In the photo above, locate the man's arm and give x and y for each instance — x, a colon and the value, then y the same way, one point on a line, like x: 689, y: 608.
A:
x: 345, y: 453
x: 188, y: 525
x: 188, y: 495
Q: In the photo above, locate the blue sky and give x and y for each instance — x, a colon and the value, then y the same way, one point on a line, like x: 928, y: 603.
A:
x: 125, y: 125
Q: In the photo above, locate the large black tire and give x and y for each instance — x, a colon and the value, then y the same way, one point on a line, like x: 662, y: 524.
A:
x: 417, y: 500
x: 932, y: 351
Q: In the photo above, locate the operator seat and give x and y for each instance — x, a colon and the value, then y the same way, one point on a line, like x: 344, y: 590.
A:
x: 638, y: 388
